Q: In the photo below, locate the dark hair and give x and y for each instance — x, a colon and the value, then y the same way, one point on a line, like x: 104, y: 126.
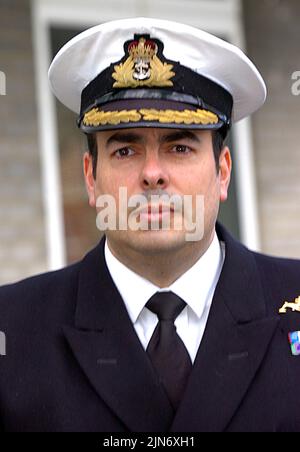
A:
x: 93, y: 150
x: 218, y: 142
x: 218, y: 139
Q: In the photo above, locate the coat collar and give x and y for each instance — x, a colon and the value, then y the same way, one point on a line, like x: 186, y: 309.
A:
x: 235, y: 341
x: 136, y: 290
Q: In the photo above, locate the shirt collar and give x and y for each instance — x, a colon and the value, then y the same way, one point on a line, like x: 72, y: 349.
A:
x: 196, y: 286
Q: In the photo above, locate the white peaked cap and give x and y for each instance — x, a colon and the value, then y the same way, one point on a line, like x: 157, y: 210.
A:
x: 83, y: 58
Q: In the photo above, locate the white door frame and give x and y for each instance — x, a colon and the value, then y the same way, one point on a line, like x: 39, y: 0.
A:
x: 222, y: 17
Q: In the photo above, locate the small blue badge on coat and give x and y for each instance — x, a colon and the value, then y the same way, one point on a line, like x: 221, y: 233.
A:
x: 294, y: 339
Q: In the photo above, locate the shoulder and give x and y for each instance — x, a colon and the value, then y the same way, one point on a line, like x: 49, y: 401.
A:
x: 271, y: 270
x: 44, y: 296
x: 279, y: 267
x: 280, y: 279
x: 45, y: 283
x: 277, y: 278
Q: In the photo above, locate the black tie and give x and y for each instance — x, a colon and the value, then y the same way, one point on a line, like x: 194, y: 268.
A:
x: 166, y: 350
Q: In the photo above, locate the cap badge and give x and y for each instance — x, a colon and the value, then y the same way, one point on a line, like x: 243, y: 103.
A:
x: 293, y: 306
x: 142, y: 67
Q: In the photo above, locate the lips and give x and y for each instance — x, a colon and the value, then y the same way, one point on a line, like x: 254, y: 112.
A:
x: 152, y: 209
x: 154, y: 215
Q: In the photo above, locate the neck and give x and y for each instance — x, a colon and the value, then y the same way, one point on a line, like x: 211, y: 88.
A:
x: 165, y: 267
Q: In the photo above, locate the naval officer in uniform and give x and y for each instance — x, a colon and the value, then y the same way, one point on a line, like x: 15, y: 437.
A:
x: 151, y: 331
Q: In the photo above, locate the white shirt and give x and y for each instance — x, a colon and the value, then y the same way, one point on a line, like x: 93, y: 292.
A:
x: 196, y: 287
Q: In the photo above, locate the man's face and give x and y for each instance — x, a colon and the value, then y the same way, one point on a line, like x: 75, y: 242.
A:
x: 151, y: 161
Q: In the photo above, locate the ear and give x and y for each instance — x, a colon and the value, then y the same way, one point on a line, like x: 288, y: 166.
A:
x: 89, y: 178
x: 225, y: 165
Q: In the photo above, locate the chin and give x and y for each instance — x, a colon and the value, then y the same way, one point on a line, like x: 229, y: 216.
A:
x: 153, y: 242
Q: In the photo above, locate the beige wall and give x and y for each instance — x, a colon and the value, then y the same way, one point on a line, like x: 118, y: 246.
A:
x: 272, y: 37
x: 273, y: 40
x: 22, y: 243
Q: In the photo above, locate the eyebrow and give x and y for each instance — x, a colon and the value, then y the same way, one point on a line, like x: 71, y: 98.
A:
x: 180, y: 135
x: 130, y: 137
x: 124, y: 138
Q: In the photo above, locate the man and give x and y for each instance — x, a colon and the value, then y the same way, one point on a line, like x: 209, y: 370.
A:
x: 156, y: 329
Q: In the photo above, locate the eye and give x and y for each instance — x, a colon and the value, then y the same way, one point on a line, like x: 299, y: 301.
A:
x: 181, y: 149
x: 123, y: 152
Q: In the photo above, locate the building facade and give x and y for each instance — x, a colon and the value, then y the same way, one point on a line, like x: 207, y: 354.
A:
x: 45, y: 219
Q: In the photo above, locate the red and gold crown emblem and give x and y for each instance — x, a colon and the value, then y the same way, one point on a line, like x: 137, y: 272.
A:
x: 143, y: 48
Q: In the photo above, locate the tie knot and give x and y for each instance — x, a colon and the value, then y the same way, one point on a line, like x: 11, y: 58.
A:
x: 166, y: 305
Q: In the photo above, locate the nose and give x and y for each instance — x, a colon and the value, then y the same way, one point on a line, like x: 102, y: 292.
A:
x: 153, y: 175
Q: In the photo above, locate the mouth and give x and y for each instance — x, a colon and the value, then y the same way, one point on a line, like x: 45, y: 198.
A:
x: 154, y: 212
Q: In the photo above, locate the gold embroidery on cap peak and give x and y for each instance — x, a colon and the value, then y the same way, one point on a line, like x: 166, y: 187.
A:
x: 142, y: 67
x: 180, y: 117
x: 96, y: 117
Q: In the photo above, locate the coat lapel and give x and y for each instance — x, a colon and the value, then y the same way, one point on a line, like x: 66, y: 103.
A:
x: 110, y: 354
x: 235, y: 341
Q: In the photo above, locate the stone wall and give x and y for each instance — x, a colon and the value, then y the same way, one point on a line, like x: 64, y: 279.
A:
x: 273, y: 40
x: 22, y: 233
